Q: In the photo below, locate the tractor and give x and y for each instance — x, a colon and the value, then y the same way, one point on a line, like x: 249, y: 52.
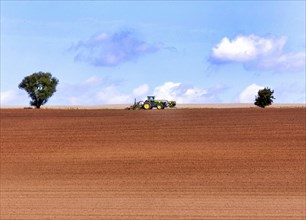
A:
x: 151, y: 102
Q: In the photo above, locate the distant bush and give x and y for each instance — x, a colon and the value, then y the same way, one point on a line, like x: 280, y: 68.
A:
x: 264, y: 98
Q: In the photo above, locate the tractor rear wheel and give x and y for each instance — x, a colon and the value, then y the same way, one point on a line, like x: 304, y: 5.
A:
x: 160, y: 106
x: 147, y: 105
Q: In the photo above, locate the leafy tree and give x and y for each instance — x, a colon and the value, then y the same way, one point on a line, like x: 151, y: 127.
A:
x: 264, y: 98
x: 40, y: 87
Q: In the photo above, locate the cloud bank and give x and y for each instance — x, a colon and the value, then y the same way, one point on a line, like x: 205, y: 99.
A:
x: 105, y: 49
x: 258, y: 53
x: 97, y: 90
x: 110, y: 93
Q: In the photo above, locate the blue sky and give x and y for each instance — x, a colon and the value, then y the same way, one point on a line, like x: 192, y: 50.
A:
x: 110, y: 52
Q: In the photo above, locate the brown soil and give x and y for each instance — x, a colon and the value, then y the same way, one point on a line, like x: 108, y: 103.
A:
x: 171, y: 164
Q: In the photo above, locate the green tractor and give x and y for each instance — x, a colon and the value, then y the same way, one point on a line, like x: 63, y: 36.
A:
x: 151, y: 102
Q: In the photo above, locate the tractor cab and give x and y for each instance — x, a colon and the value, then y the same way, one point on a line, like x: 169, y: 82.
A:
x: 151, y: 98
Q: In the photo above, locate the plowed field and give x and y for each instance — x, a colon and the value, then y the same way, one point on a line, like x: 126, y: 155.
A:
x: 246, y: 163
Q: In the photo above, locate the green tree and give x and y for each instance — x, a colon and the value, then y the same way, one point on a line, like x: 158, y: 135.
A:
x: 40, y: 87
x: 264, y: 98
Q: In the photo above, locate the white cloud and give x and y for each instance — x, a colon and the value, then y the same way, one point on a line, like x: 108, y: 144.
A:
x: 183, y: 93
x: 247, y: 48
x: 111, y: 95
x: 81, y: 93
x: 141, y: 90
x: 168, y: 90
x: 249, y: 93
x: 282, y: 63
x: 13, y: 97
x: 262, y: 53
x: 7, y: 96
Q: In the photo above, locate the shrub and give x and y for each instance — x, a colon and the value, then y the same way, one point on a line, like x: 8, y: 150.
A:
x: 264, y: 98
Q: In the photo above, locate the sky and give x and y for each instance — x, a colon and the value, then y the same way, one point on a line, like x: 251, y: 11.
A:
x: 111, y: 52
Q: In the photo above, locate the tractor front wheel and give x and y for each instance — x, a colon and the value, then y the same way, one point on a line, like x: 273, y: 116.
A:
x: 160, y: 106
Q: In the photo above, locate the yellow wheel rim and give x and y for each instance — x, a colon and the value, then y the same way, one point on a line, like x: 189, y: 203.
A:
x: 146, y: 106
x: 159, y: 107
